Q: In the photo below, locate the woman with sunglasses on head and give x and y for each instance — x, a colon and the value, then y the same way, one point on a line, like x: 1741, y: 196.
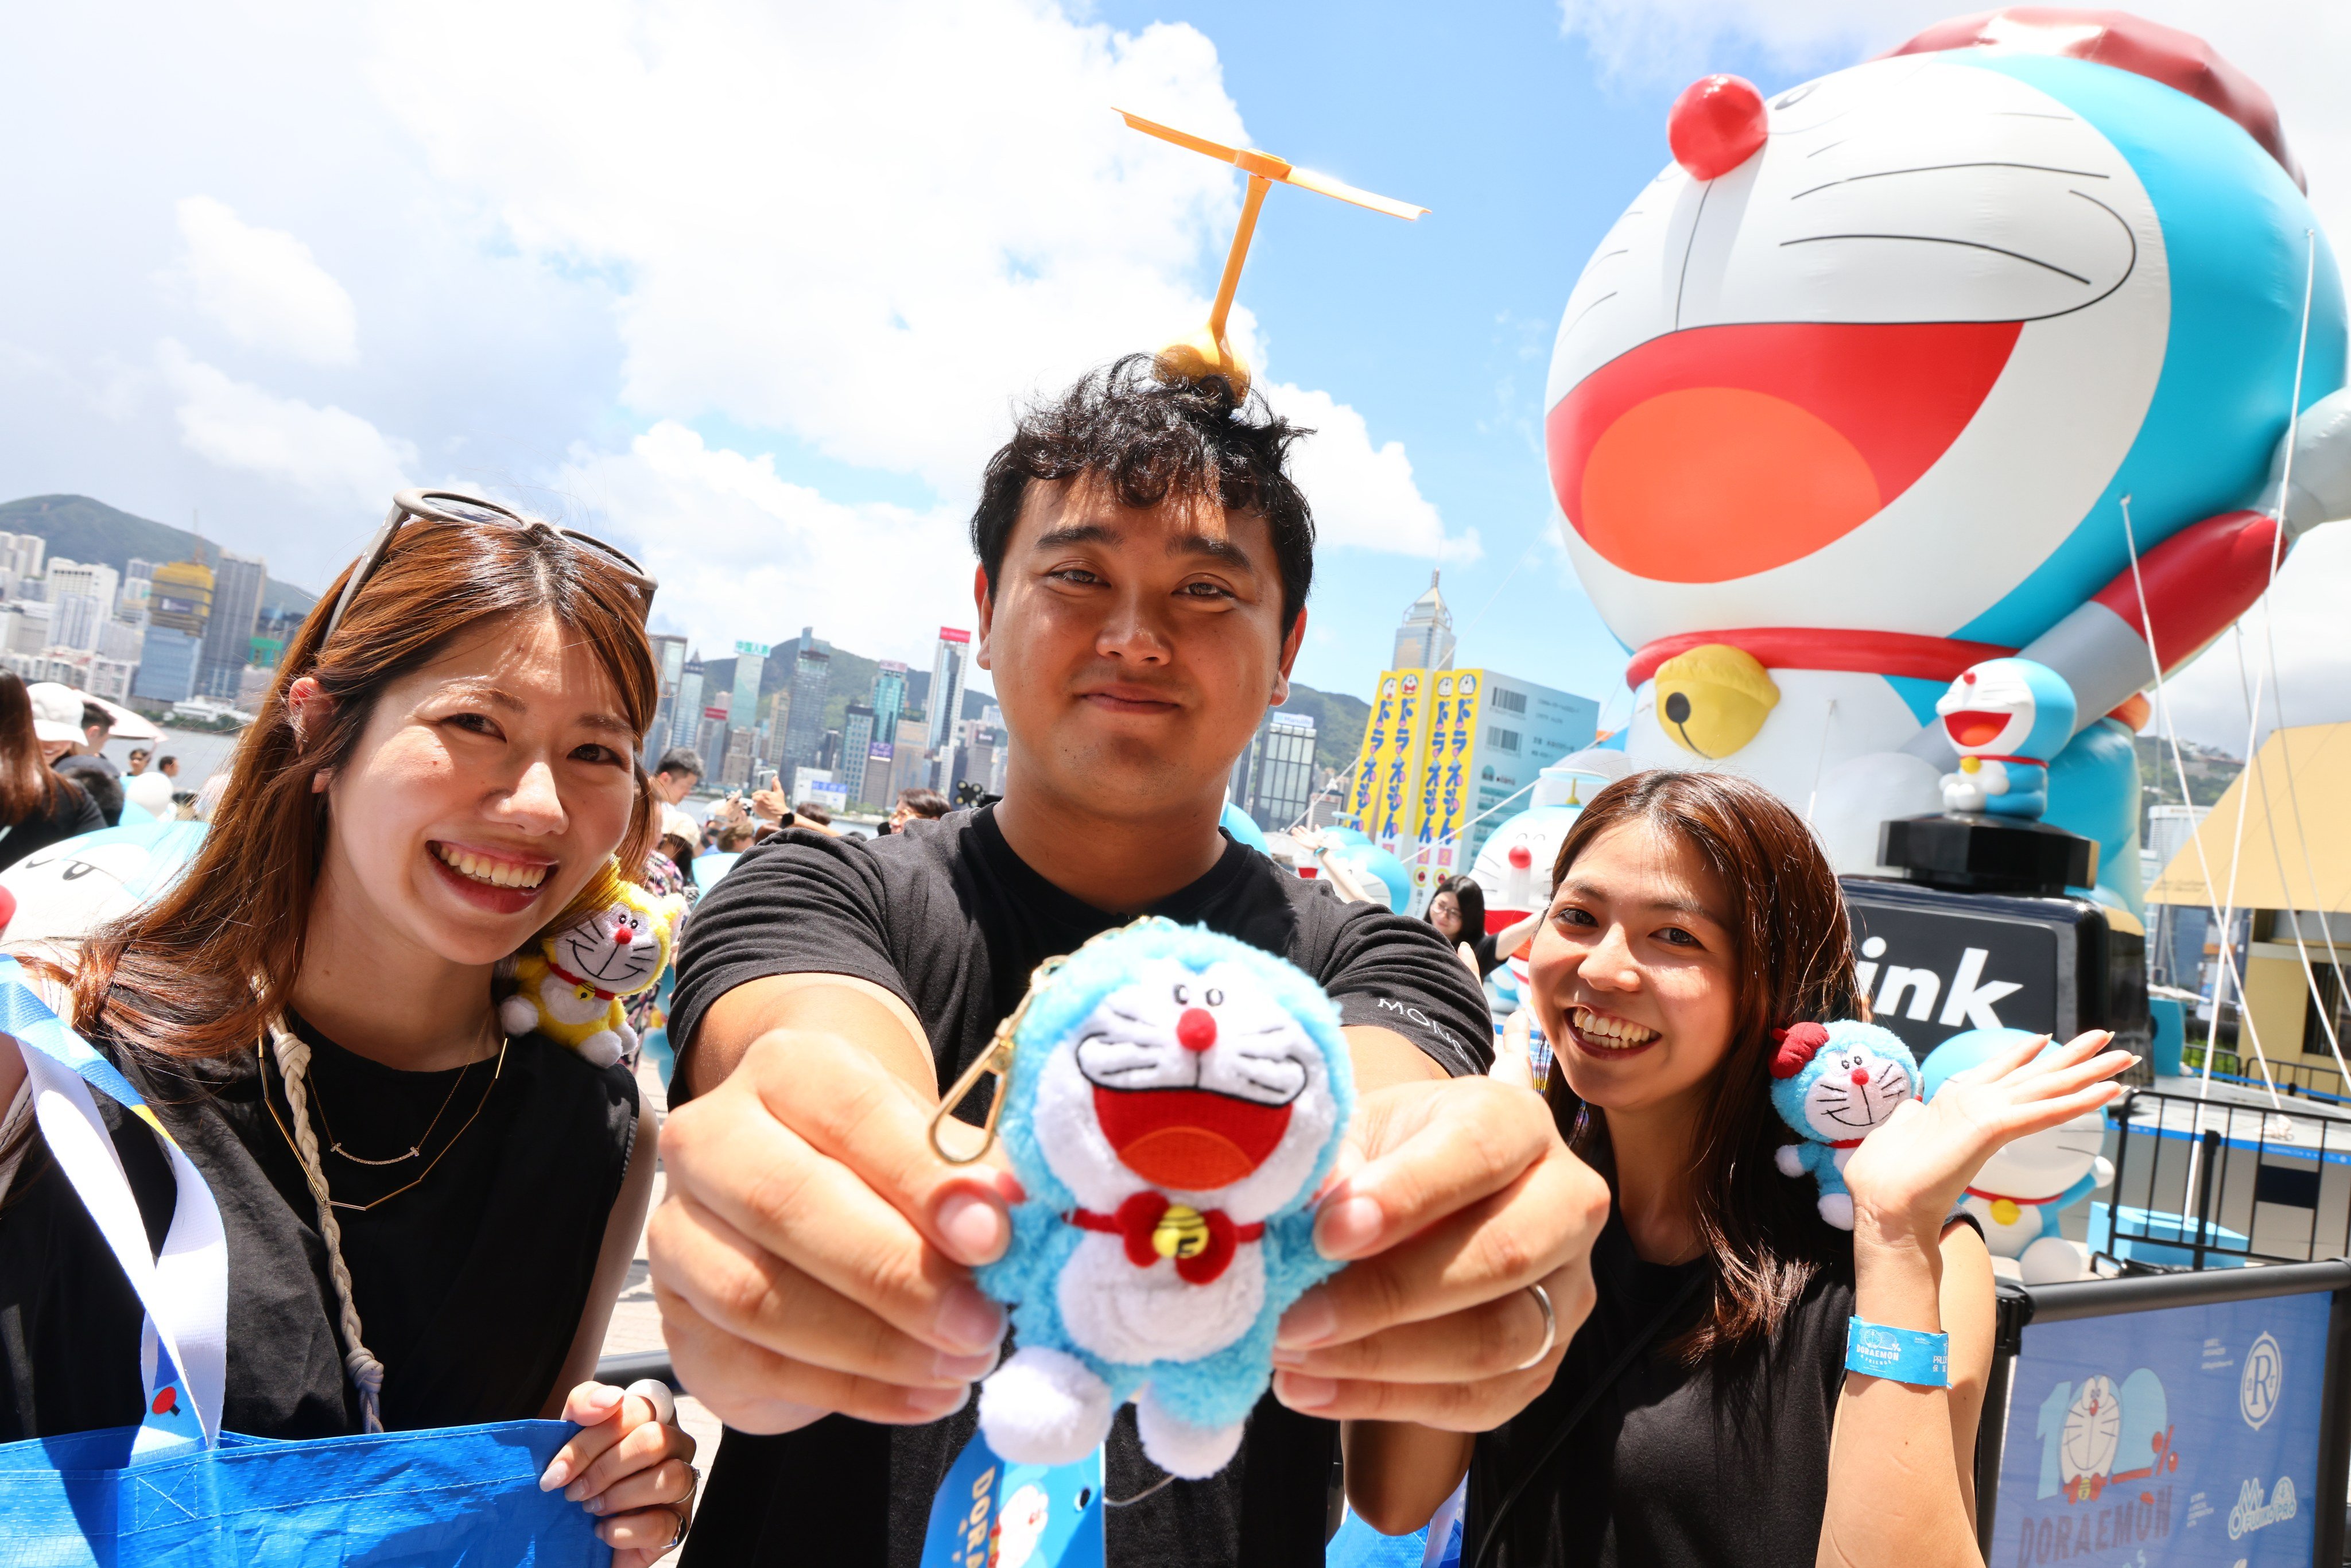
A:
x: 1705, y: 1412
x: 427, y: 1221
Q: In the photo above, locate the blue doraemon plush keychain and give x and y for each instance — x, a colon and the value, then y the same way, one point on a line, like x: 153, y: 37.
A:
x: 1172, y: 1102
x: 1834, y: 1084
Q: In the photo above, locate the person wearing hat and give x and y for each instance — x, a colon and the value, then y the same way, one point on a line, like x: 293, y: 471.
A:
x: 38, y: 723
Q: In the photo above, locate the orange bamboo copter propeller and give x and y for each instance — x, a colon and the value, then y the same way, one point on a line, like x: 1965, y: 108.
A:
x: 1208, y: 353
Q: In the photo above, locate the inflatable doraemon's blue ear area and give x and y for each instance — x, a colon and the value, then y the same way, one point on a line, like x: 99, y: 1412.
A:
x: 1242, y: 828
x: 1970, y: 1049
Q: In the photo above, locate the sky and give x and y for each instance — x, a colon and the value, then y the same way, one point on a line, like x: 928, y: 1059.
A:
x: 754, y: 288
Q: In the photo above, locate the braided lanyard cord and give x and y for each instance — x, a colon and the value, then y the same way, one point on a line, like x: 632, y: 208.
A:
x: 366, y: 1372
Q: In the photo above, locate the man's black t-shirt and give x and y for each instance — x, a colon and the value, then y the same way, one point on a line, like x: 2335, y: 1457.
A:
x: 944, y: 915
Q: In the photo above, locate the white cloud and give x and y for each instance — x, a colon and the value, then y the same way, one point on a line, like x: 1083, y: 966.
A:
x: 264, y: 286
x: 740, y: 551
x: 1363, y: 495
x: 332, y: 454
x: 873, y: 227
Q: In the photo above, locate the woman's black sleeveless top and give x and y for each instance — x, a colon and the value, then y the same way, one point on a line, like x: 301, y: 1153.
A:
x: 470, y: 1286
x: 1673, y: 1467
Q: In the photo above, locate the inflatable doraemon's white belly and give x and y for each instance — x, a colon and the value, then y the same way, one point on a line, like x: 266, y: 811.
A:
x: 1122, y: 1313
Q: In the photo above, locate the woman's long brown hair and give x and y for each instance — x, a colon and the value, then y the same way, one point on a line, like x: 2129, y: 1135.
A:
x: 1792, y: 962
x: 26, y: 785
x: 200, y: 972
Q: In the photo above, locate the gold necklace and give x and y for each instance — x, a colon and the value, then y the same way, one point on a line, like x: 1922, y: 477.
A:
x: 487, y: 1090
x: 414, y: 1149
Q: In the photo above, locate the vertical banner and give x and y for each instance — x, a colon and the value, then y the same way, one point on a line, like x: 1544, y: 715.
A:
x: 1376, y: 735
x: 1392, y: 771
x: 1445, y: 795
x: 2185, y: 1435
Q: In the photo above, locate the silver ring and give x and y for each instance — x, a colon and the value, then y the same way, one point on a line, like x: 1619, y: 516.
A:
x: 682, y: 1518
x: 1550, y: 1328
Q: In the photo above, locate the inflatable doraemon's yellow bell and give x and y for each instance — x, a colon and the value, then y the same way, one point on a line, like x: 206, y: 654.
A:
x: 1712, y: 699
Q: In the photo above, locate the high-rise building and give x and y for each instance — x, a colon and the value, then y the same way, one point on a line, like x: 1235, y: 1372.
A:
x: 945, y: 701
x: 118, y: 639
x: 804, y: 719
x: 1446, y: 749
x: 856, y: 749
x: 28, y: 626
x: 238, y: 583
x: 1275, y: 777
x: 168, y: 659
x: 75, y: 620
x: 86, y: 578
x: 1425, y: 641
x: 669, y: 668
x: 910, y: 766
x: 182, y: 597
x: 686, y: 719
x: 137, y: 568
x: 21, y: 554
x: 888, y: 698
x: 743, y: 707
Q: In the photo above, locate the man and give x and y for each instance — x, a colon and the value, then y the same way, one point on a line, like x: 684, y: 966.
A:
x: 677, y: 775
x: 169, y: 766
x: 1144, y: 567
x: 926, y: 804
x: 88, y: 768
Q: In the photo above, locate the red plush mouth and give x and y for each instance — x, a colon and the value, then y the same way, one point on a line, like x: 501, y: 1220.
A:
x: 1973, y: 726
x: 1190, y: 1140
x: 1720, y: 451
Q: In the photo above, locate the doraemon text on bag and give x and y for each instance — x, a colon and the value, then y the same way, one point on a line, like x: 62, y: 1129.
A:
x: 1834, y: 1084
x: 1173, y: 1103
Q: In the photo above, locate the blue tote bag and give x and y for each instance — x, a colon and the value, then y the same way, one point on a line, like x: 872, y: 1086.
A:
x: 176, y: 1491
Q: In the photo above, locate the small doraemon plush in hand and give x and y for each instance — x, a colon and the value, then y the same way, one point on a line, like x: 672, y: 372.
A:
x: 1835, y: 1084
x: 569, y: 987
x: 1174, y: 1101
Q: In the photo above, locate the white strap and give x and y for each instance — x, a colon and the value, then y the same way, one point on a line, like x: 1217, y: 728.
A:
x: 185, y: 1287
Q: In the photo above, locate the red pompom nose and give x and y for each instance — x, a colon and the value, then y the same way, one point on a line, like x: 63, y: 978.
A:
x: 1197, y: 1030
x: 1716, y: 125
x: 624, y: 936
x: 1521, y: 857
x: 1861, y: 1077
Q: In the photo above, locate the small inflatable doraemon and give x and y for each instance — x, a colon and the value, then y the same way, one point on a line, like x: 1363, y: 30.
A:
x: 2018, y: 1193
x: 1174, y: 1101
x: 1833, y: 1084
x: 2006, y: 718
x: 1853, y: 396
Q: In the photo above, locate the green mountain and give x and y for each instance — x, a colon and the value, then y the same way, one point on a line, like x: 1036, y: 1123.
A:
x: 1338, y: 722
x: 80, y: 528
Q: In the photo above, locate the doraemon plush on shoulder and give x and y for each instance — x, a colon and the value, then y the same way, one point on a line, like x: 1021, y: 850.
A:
x: 569, y: 984
x: 2017, y: 1196
x: 1173, y: 1100
x: 1835, y: 1084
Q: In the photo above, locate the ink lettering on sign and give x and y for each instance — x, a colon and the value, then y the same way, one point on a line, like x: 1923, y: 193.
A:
x: 1932, y: 972
x: 988, y: 1513
x: 2132, y: 1441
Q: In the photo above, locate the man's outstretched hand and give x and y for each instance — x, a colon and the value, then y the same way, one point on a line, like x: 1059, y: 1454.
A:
x: 1454, y: 1196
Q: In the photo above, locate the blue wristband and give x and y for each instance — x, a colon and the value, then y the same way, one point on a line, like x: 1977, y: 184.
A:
x: 1905, y: 1355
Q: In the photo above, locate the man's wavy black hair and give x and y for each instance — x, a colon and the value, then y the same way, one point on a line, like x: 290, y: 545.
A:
x: 1153, y: 441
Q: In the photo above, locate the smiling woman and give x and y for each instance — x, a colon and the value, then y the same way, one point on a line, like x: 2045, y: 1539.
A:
x: 427, y: 1222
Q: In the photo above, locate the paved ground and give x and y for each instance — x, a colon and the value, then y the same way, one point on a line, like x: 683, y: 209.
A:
x: 636, y: 1322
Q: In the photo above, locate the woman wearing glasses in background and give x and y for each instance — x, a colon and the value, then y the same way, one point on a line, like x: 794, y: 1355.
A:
x: 427, y: 1222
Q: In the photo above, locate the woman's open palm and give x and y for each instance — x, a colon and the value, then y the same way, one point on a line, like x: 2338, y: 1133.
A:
x: 1908, y: 1174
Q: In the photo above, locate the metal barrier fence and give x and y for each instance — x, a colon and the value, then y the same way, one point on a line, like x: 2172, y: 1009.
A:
x: 2207, y: 1183
x: 2296, y: 1078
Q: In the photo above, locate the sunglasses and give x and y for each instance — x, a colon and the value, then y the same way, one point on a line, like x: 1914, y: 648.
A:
x: 456, y: 507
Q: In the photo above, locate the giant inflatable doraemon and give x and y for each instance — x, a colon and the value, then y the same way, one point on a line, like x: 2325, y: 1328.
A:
x: 1856, y: 392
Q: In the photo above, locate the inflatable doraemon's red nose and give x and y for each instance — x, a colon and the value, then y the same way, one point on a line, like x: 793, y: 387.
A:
x: 1717, y: 124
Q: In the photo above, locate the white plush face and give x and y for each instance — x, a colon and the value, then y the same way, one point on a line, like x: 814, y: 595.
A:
x: 1853, y: 1090
x: 617, y: 948
x: 1935, y: 306
x: 2044, y: 1164
x: 1196, y: 1084
x: 1988, y: 711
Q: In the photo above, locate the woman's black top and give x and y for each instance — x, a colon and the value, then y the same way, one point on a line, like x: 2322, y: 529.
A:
x: 1673, y: 1467
x: 1488, y: 959
x: 71, y: 811
x: 470, y: 1286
